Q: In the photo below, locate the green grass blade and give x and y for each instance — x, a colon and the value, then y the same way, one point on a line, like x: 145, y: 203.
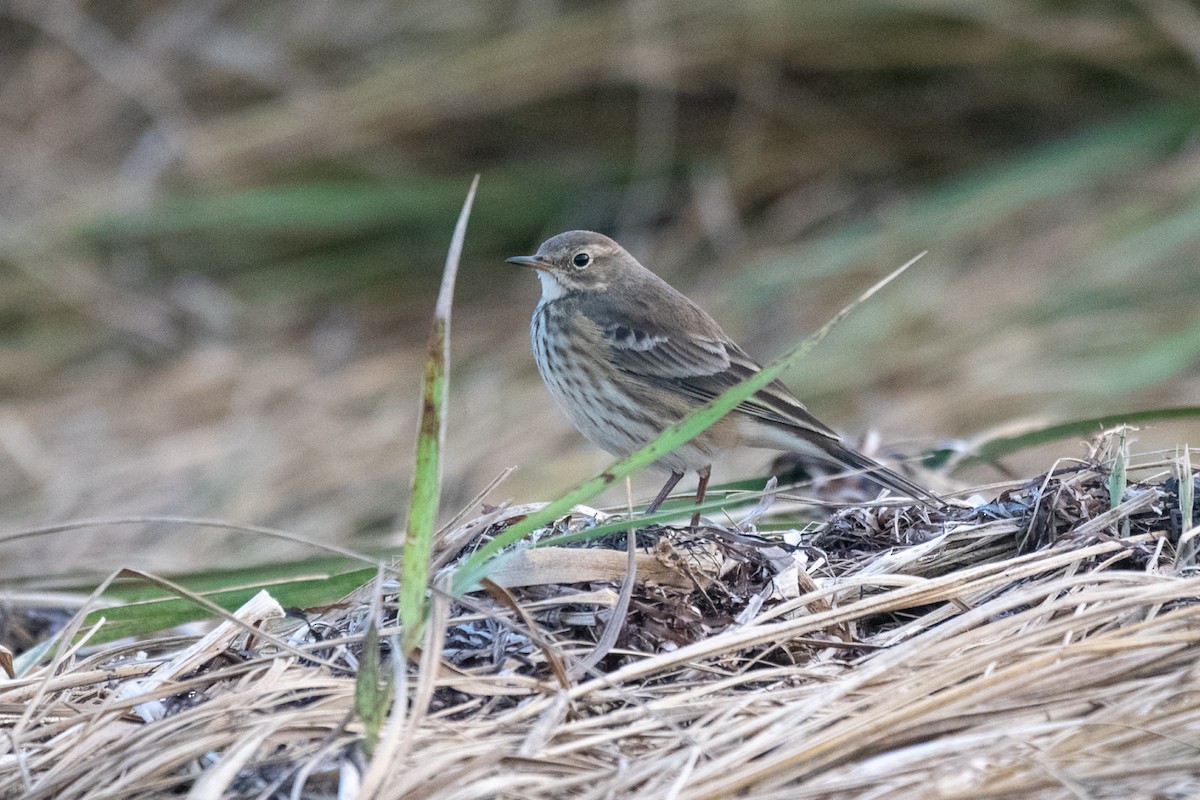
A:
x: 991, y: 450
x: 212, y: 607
x: 1118, y: 480
x: 1118, y: 475
x: 141, y: 619
x: 258, y: 576
x: 427, y: 476
x: 373, y: 684
x: 148, y: 608
x: 659, y: 517
x: 468, y: 574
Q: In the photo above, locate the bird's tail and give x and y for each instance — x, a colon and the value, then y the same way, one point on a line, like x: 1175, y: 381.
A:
x: 877, y: 472
x: 806, y: 435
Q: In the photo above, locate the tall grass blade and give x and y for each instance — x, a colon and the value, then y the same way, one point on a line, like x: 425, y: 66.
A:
x: 427, y: 476
x: 468, y: 574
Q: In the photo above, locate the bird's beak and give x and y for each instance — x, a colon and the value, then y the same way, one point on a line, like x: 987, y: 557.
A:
x: 529, y: 261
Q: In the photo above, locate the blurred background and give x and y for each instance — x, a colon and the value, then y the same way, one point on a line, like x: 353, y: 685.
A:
x: 222, y: 226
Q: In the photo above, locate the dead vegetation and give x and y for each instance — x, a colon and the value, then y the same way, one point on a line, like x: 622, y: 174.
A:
x: 220, y: 228
x: 1040, y: 644
x: 219, y: 222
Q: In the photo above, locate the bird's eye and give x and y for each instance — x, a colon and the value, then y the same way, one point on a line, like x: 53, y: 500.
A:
x: 581, y: 259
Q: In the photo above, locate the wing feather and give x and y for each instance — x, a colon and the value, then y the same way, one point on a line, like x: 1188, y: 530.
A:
x: 694, y: 357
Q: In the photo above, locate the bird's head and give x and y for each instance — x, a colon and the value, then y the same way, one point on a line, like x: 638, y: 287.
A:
x: 578, y: 261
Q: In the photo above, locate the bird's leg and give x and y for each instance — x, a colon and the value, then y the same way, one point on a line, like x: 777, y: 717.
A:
x: 666, y: 490
x: 701, y: 488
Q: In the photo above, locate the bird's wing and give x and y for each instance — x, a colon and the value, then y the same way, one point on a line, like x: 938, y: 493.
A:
x: 697, y: 359
x: 774, y: 403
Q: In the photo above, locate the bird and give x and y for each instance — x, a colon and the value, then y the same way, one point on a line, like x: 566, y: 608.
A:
x: 625, y: 355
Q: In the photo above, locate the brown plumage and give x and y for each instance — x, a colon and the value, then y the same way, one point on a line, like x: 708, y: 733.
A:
x: 625, y: 355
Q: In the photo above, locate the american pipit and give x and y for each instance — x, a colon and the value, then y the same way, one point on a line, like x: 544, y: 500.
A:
x: 625, y: 356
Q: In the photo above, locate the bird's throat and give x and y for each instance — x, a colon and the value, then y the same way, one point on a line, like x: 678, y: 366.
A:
x: 552, y: 289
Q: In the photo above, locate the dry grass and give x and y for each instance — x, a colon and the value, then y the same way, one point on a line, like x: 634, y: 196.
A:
x: 1016, y: 648
x: 220, y: 228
